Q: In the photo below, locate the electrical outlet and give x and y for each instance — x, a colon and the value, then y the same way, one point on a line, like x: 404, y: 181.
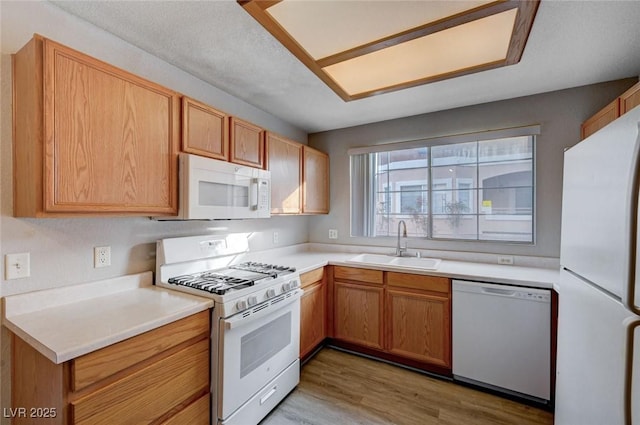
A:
x: 505, y: 259
x: 101, y: 256
x: 17, y: 266
x: 333, y: 233
x: 276, y: 238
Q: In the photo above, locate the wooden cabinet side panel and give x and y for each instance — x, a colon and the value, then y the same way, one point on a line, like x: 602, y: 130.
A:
x: 205, y: 130
x: 197, y: 413
x: 313, y: 329
x: 100, y: 364
x: 358, y: 313
x: 630, y: 99
x: 37, y: 383
x: 148, y: 394
x: 111, y: 138
x: 357, y: 274
x: 27, y: 130
x: 419, y: 327
x: 315, y: 192
x: 603, y: 117
x: 284, y: 161
x: 246, y: 143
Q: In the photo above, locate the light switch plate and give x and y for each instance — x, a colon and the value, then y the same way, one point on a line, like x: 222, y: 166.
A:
x: 17, y: 266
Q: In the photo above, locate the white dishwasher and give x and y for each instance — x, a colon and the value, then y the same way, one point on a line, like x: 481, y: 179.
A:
x: 502, y: 338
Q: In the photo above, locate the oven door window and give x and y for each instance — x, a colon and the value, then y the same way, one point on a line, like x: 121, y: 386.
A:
x: 262, y: 344
x: 255, y: 353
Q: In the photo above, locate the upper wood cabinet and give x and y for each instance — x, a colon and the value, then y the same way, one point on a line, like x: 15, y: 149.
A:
x: 246, y: 143
x: 315, y: 181
x: 600, y: 119
x: 621, y: 105
x: 205, y: 130
x: 90, y: 138
x: 284, y: 161
x: 630, y: 99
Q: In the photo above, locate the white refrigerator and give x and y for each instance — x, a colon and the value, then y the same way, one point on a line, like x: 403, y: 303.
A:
x: 598, y: 358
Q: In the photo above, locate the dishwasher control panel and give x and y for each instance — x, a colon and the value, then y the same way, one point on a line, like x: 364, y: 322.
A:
x: 533, y: 296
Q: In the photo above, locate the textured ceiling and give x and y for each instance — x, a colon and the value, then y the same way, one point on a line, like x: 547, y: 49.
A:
x: 572, y: 43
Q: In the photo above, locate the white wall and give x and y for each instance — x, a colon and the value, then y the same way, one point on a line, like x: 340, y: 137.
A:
x: 559, y: 114
x: 62, y: 249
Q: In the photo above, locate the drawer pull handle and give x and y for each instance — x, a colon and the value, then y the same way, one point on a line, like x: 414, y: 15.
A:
x: 268, y: 395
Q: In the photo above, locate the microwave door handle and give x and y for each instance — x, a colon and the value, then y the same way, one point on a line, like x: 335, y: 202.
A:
x: 255, y: 195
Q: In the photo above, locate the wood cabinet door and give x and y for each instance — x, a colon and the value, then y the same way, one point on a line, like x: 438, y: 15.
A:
x: 146, y: 394
x: 358, y: 313
x: 630, y: 99
x: 284, y: 161
x: 246, y: 143
x: 205, y: 130
x: 315, y: 182
x: 600, y: 119
x: 313, y: 328
x: 111, y: 138
x: 419, y: 326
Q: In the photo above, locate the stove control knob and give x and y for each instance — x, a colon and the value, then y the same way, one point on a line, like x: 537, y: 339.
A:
x: 252, y: 300
x: 271, y: 293
x: 241, y: 305
x: 286, y: 287
x: 294, y: 283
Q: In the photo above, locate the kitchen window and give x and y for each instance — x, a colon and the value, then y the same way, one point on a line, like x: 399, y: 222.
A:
x: 471, y: 187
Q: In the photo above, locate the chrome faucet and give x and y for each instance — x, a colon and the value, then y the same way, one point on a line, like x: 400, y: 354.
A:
x: 401, y: 249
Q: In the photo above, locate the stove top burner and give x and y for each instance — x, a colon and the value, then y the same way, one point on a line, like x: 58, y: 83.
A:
x: 239, y: 276
x: 212, y: 282
x: 263, y: 268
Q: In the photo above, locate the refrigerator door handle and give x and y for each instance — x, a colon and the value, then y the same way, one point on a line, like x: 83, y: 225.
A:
x: 629, y: 290
x: 631, y: 325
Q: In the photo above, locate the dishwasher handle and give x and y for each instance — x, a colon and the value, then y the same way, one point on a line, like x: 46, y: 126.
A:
x: 498, y: 291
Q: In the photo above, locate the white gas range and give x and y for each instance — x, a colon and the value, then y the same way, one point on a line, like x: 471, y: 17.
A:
x: 255, y: 322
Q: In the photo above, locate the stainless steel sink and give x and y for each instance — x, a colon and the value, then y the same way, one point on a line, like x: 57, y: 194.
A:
x: 399, y: 262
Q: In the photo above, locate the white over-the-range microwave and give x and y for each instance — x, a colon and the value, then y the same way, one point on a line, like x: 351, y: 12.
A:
x: 211, y: 189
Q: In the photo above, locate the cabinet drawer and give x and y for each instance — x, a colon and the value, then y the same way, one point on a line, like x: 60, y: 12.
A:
x: 359, y: 275
x: 149, y: 393
x: 92, y: 367
x: 313, y: 276
x: 421, y: 282
x: 197, y: 413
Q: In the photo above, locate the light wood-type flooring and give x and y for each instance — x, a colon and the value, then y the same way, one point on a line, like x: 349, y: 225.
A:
x: 340, y: 388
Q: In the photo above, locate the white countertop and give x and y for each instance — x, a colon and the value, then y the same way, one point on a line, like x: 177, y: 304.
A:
x: 307, y: 257
x: 67, y: 322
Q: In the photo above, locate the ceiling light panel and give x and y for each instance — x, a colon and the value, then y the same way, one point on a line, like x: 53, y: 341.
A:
x: 364, y: 48
x: 324, y: 28
x: 462, y: 47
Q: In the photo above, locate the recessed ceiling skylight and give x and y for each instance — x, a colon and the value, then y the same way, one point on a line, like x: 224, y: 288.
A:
x: 364, y: 48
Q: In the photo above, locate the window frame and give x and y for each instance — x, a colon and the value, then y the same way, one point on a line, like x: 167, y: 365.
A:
x: 475, y: 195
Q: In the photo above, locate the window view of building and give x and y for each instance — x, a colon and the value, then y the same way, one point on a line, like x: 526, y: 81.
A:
x: 482, y: 190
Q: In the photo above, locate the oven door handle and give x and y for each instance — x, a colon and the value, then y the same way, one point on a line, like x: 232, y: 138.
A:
x: 251, y: 314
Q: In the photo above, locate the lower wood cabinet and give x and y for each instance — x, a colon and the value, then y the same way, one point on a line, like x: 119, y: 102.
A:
x: 313, y: 311
x: 400, y: 316
x: 161, y: 376
x: 419, y: 318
